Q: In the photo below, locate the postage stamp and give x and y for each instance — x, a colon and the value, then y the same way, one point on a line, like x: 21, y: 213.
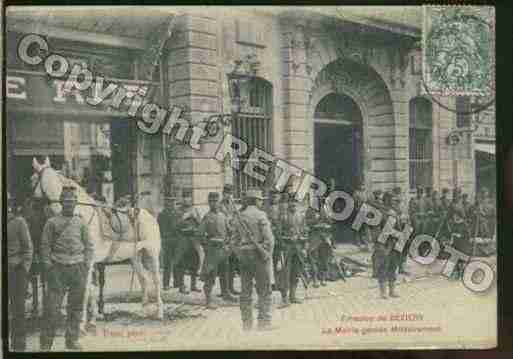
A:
x: 458, y: 50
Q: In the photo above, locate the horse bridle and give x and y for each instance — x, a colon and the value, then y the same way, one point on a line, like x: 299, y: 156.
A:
x: 96, y: 206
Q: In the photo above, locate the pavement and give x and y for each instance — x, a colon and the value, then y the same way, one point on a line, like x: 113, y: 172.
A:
x: 432, y: 311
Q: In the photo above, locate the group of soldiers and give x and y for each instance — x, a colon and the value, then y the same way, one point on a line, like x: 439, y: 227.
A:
x: 276, y: 245
x: 449, y: 218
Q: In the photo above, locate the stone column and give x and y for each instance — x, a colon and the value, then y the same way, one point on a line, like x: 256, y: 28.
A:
x: 193, y: 85
x: 297, y: 127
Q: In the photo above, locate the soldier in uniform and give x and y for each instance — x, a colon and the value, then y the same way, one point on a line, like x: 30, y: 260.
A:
x: 275, y: 213
x: 20, y: 252
x: 216, y: 228
x: 434, y: 214
x: 402, y: 220
x: 319, y: 244
x: 386, y: 259
x: 256, y: 262
x: 444, y: 231
x: 467, y: 205
x: 231, y: 265
x: 418, y: 212
x: 191, y: 254
x: 293, y: 232
x: 364, y: 236
x: 168, y: 221
x: 67, y: 254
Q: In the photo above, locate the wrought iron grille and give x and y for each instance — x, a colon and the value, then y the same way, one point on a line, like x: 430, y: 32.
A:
x: 421, y: 144
x: 255, y: 131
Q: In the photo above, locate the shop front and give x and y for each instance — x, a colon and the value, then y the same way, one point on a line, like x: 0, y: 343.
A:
x: 95, y: 145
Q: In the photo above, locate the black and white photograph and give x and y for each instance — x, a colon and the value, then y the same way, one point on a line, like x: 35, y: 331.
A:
x: 250, y: 178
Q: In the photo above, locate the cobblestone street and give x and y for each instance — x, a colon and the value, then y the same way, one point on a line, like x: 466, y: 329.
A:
x: 317, y: 323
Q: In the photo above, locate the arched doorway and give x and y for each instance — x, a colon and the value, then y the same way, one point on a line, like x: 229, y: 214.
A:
x: 338, y: 141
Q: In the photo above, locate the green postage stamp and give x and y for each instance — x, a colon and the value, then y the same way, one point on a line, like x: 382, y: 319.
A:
x: 458, y: 50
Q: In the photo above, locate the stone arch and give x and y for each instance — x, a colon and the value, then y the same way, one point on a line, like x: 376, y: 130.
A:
x: 368, y: 90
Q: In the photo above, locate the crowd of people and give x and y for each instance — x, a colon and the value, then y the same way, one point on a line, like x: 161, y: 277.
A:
x: 270, y: 243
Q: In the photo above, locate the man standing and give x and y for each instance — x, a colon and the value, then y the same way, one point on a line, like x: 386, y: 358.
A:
x: 255, y: 258
x: 275, y: 213
x: 228, y: 267
x: 168, y: 221
x: 20, y: 251
x: 295, y: 254
x: 191, y: 253
x: 418, y: 211
x: 215, y: 226
x: 67, y: 254
x: 385, y: 258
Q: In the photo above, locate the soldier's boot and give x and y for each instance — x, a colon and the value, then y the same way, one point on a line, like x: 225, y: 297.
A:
x: 284, y: 300
x: 194, y: 287
x: 293, y: 298
x: 183, y: 289
x: 208, y: 302
x: 74, y: 346
x: 315, y: 281
x: 382, y: 290
x: 323, y: 279
x: 247, y: 326
x: 46, y: 344
x: 231, y: 281
x: 391, y: 290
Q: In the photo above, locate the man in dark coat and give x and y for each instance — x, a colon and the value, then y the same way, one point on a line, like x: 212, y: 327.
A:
x: 20, y: 252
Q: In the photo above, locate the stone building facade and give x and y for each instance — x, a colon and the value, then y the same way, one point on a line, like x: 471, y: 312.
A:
x: 337, y: 97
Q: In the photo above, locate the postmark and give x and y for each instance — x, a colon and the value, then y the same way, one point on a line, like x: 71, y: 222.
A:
x: 458, y: 50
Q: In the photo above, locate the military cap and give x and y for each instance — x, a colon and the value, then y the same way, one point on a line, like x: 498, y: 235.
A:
x: 397, y: 190
x: 187, y: 192
x: 213, y: 196
x: 254, y: 193
x: 420, y: 190
x: 445, y: 190
x: 228, y: 188
x: 69, y: 193
x: 377, y: 192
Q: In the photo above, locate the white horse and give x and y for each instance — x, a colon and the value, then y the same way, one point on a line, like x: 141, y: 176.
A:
x: 140, y: 242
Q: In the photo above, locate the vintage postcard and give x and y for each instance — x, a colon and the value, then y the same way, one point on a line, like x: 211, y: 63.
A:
x: 250, y: 178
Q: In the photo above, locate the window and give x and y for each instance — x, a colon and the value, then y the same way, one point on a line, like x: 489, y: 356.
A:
x: 253, y: 126
x: 463, y: 109
x: 421, y: 146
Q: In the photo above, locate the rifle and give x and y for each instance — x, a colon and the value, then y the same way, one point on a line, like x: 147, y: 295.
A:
x: 244, y: 231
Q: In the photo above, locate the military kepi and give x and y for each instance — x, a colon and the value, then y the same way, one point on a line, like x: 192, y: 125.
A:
x: 213, y: 196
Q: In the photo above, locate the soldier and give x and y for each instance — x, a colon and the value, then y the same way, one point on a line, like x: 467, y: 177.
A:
x: 418, y: 212
x: 20, y: 252
x: 385, y: 258
x: 231, y: 265
x: 319, y: 244
x: 295, y: 254
x: 67, y: 254
x: 467, y: 205
x: 275, y: 213
x: 216, y: 227
x: 484, y: 216
x: 445, y: 204
x: 402, y: 220
x: 255, y: 258
x: 364, y: 236
x: 168, y: 221
x: 192, y: 254
x: 376, y: 202
x: 434, y: 216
